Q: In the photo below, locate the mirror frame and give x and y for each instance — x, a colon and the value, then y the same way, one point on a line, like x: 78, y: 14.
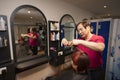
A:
x: 68, y: 50
x: 13, y: 37
x: 73, y: 21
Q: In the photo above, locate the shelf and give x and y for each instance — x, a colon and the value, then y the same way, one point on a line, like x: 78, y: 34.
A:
x: 4, y: 41
x: 3, y: 30
x: 55, y: 41
x: 3, y: 47
x: 54, y: 30
x: 31, y: 63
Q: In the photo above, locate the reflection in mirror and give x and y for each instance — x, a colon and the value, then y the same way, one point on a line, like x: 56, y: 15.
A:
x: 67, y: 24
x: 29, y: 32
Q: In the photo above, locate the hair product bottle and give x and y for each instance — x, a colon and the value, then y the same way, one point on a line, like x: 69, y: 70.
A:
x: 2, y: 23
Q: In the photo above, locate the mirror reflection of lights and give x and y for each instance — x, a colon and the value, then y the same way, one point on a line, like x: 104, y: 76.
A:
x: 28, y: 11
x: 109, y: 14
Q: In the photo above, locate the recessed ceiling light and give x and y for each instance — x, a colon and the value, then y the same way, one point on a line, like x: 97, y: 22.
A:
x: 105, y: 6
x: 108, y: 14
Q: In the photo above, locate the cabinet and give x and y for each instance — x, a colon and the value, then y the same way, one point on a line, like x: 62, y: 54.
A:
x: 56, y: 55
x: 4, y: 41
x: 7, y: 71
x: 54, y: 32
x: 6, y: 66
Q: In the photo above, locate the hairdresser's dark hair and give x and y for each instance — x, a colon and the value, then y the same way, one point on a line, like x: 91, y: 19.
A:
x: 85, y: 23
x: 34, y: 30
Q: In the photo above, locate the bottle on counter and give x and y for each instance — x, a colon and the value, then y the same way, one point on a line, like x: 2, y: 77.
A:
x: 2, y: 24
x: 5, y: 41
x: 57, y: 36
x: 1, y: 41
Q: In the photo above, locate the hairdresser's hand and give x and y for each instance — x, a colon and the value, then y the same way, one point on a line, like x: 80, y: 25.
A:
x: 75, y: 41
x: 64, y: 42
x: 24, y: 35
x: 70, y: 43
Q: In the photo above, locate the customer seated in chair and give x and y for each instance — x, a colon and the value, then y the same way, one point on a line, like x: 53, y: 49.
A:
x: 80, y: 63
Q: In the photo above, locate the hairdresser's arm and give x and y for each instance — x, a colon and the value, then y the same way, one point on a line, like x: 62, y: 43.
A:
x: 97, y: 46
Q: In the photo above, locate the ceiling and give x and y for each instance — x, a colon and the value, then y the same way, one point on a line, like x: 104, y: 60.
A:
x: 97, y: 6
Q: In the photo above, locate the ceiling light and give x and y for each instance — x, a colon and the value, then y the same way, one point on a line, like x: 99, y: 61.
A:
x: 108, y: 14
x: 105, y: 6
x: 28, y: 11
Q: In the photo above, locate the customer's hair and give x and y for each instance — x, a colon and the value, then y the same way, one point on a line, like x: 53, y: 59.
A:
x: 21, y: 39
x: 80, y: 59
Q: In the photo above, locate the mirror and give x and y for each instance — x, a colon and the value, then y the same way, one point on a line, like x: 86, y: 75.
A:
x: 67, y: 25
x: 29, y: 33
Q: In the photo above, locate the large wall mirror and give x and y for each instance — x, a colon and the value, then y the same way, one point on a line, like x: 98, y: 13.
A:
x: 67, y: 24
x: 29, y: 33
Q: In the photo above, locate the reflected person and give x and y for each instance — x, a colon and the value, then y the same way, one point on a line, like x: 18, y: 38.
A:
x: 33, y: 40
x: 22, y: 48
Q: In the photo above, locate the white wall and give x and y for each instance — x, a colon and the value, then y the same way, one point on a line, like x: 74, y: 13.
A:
x: 53, y: 10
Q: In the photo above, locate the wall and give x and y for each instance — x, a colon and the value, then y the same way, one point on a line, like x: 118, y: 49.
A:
x: 53, y: 10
